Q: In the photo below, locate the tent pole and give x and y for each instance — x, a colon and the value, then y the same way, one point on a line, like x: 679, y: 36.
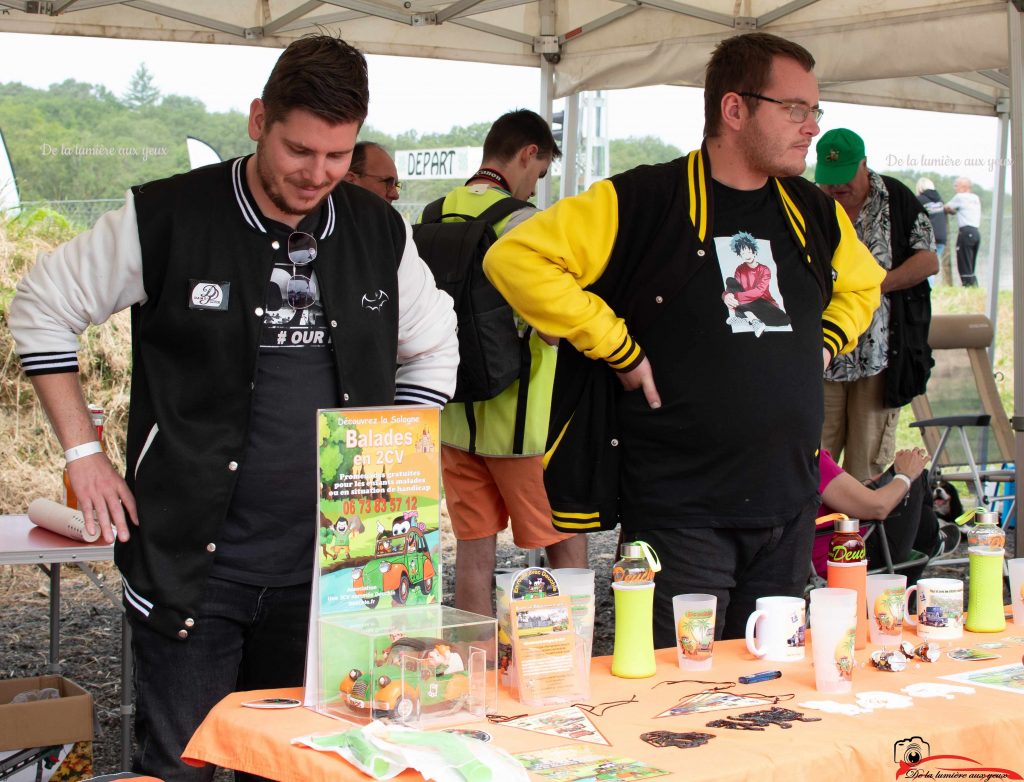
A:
x: 547, y: 90
x: 996, y: 240
x: 1015, y: 20
x: 570, y: 146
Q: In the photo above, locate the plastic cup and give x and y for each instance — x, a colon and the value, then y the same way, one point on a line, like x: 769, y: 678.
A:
x: 695, y: 630
x: 886, y: 594
x: 775, y: 630
x: 833, y: 632
x: 578, y: 584
x: 1016, y: 568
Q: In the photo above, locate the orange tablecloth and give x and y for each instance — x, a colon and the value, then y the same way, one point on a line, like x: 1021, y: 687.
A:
x: 987, y: 727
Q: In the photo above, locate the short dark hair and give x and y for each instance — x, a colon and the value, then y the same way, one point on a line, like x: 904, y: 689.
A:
x: 743, y: 63
x: 517, y: 129
x: 321, y: 74
x: 358, y: 164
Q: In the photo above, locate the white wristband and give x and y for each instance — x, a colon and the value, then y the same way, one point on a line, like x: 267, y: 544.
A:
x: 80, y: 451
x: 904, y: 478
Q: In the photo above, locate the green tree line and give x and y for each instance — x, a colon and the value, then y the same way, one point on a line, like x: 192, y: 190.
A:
x: 81, y: 141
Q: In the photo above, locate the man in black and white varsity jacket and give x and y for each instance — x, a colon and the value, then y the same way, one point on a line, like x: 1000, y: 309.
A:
x: 261, y: 289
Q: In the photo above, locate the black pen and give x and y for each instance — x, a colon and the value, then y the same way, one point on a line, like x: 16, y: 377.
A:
x: 763, y: 676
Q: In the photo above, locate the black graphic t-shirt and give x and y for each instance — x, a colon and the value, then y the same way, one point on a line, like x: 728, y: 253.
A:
x: 268, y: 537
x: 737, y: 361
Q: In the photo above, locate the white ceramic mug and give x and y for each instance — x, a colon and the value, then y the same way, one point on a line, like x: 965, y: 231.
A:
x: 1016, y: 570
x: 940, y: 609
x: 775, y: 631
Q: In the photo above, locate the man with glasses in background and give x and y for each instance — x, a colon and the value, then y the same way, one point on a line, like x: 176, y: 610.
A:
x: 373, y: 169
x: 261, y: 290
x: 671, y: 415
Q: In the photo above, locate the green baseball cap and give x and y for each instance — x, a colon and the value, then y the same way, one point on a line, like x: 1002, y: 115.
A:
x: 839, y: 154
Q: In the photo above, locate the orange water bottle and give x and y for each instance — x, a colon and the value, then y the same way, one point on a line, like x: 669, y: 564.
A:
x: 97, y: 415
x: 848, y: 569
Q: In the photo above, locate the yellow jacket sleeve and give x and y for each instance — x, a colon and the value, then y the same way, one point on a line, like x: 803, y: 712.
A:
x: 856, y: 289
x: 542, y: 267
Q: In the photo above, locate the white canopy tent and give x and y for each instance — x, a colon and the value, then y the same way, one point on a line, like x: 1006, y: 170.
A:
x: 961, y: 56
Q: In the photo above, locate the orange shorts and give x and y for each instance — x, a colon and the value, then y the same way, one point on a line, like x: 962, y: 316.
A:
x: 484, y: 492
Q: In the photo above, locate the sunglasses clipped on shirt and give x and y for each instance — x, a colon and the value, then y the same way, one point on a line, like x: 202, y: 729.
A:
x: 301, y: 291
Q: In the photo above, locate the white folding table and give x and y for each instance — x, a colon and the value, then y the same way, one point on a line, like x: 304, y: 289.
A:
x: 23, y: 543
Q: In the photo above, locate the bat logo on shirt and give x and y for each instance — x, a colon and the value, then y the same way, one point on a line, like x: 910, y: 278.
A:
x: 375, y: 302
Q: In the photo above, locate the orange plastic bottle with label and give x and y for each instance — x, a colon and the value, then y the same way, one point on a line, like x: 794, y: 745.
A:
x: 97, y: 419
x: 848, y: 569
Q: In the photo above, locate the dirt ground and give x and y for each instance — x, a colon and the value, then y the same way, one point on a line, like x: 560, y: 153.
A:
x: 91, y: 628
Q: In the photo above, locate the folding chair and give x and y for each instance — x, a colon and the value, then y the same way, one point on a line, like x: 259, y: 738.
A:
x: 961, y: 417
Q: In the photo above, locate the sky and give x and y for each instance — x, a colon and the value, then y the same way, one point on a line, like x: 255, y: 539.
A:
x: 229, y: 77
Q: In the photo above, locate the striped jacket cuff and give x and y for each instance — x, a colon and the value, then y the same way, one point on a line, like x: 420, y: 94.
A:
x: 419, y: 395
x: 49, y: 363
x: 626, y: 357
x: 835, y: 338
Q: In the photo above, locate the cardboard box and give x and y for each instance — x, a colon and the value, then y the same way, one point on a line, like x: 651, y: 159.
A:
x: 47, y: 739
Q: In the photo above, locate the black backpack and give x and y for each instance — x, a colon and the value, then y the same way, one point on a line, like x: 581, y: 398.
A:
x: 492, y: 353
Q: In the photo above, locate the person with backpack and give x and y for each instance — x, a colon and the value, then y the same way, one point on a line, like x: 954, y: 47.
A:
x: 492, y: 472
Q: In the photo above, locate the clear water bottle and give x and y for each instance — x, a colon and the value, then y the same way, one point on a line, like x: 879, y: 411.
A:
x: 985, y: 532
x: 638, y: 565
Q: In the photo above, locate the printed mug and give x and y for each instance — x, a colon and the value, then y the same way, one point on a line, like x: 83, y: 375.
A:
x: 776, y: 629
x: 940, y: 609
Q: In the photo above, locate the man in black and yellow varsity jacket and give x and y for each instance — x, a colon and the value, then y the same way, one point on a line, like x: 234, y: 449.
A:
x: 707, y: 448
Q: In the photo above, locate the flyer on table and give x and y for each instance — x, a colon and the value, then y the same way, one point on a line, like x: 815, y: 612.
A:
x: 378, y: 543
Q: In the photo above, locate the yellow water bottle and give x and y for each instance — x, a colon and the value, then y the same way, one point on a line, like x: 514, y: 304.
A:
x: 633, y: 585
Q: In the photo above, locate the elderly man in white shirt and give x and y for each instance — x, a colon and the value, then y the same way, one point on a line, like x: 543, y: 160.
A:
x: 967, y: 208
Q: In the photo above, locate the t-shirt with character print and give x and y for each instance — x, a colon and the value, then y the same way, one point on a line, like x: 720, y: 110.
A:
x: 736, y: 358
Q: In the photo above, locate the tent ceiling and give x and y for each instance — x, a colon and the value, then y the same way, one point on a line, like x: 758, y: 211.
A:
x: 942, y: 55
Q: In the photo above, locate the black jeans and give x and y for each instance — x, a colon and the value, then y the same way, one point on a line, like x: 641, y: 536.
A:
x: 245, y: 638
x: 735, y: 565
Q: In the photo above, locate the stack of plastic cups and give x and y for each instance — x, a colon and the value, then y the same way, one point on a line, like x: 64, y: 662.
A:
x: 578, y: 584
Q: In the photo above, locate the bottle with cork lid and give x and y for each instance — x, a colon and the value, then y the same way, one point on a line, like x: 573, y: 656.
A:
x: 848, y: 568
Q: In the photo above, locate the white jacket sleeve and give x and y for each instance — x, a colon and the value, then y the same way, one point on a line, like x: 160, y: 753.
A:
x: 82, y: 282
x: 428, y: 348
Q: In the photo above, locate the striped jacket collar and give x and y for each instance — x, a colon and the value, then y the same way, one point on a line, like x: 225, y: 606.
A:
x: 251, y: 212
x: 698, y: 176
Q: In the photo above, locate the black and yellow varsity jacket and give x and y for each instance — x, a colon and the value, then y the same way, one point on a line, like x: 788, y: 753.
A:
x: 594, y: 269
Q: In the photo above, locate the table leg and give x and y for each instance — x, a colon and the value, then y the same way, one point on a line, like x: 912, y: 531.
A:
x: 54, y: 666
x: 127, y: 702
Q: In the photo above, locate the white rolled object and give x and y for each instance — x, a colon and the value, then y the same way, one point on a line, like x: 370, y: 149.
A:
x: 61, y: 519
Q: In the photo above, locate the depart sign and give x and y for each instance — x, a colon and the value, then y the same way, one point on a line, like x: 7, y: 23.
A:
x: 441, y: 163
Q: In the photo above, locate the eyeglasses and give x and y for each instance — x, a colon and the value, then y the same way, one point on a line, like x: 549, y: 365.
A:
x: 798, y: 112
x: 301, y: 292
x: 388, y: 181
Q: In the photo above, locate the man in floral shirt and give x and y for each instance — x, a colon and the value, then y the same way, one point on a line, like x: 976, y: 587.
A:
x: 862, y: 406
